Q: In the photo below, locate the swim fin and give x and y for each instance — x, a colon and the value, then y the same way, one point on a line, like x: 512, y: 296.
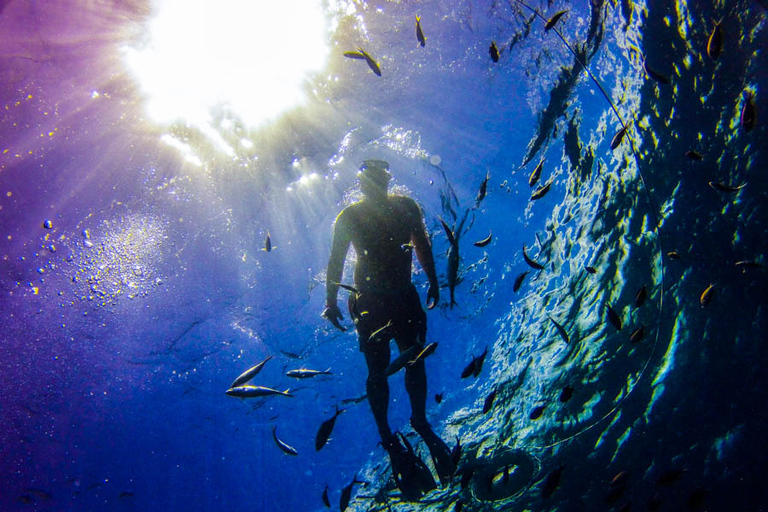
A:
x: 412, y: 476
x: 441, y: 454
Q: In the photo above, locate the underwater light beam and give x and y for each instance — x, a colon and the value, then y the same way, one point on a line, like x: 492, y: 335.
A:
x: 250, y: 58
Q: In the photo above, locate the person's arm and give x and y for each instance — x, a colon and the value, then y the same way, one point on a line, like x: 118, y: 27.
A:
x: 423, y: 248
x: 333, y: 274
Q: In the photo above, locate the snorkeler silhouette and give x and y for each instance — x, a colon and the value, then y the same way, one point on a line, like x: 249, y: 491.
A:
x: 384, y: 229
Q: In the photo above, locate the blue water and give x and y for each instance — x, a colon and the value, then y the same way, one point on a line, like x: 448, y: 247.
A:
x: 126, y: 318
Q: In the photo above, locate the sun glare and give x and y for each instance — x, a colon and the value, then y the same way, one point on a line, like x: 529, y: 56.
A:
x: 251, y: 57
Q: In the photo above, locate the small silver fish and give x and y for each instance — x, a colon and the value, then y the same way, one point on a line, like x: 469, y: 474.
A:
x: 248, y: 391
x: 249, y: 373
x: 305, y: 373
x: 290, y: 450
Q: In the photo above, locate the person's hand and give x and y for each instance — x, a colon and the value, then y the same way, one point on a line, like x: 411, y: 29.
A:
x: 333, y: 314
x: 433, y: 296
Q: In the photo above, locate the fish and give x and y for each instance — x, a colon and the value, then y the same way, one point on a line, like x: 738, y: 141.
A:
x: 484, y: 241
x: 475, y: 366
x: 715, y: 41
x: 536, y: 174
x: 706, y: 296
x: 248, y: 391
x: 619, y: 137
x: 249, y: 373
x: 641, y: 297
x: 519, y: 280
x: 326, y: 501
x: 326, y: 427
x: 489, y: 401
x: 653, y: 74
x: 637, y: 335
x: 438, y: 397
x: 355, y: 400
x: 290, y: 450
x: 305, y: 373
x: 420, y: 33
x: 620, y: 478
x: 494, y: 52
x: 551, y: 483
x: 466, y: 477
x: 383, y: 334
x: 694, y: 155
x: 670, y: 477
x: 429, y: 349
x: 561, y: 330
x: 553, y: 20
x: 346, y: 493
x: 673, y: 255
x: 748, y: 116
x: 453, y: 261
x: 744, y: 265
x: 347, y: 287
x: 483, y: 189
x: 362, y: 54
x: 614, y: 318
x: 566, y: 394
x: 401, y: 360
x: 532, y: 263
x: 541, y: 191
x: 591, y: 270
x: 456, y: 452
x: 722, y: 187
x: 537, y: 412
x: 268, y: 244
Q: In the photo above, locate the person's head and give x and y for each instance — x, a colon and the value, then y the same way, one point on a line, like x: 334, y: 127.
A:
x: 374, y: 178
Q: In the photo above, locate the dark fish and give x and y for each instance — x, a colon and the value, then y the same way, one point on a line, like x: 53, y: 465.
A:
x: 326, y: 501
x: 553, y: 480
x: 466, y: 477
x: 519, y: 281
x: 619, y: 137
x: 620, y: 478
x: 355, y: 400
x: 529, y: 261
x: 249, y: 373
x: 290, y: 450
x: 474, y: 366
x: 489, y: 401
x: 484, y: 241
x: 438, y: 397
x: 748, y: 113
x: 653, y: 74
x: 267, y: 243
x: 429, y: 349
x: 670, y: 477
x: 348, y: 287
x: 566, y: 394
x: 706, y: 296
x: 561, y: 330
x: 383, y: 334
x: 419, y: 33
x: 248, y: 391
x: 494, y: 52
x: 453, y: 260
x: 125, y: 495
x: 362, y: 54
x: 553, y: 20
x: 305, y: 373
x: 456, y: 452
x: 537, y: 412
x: 641, y: 297
x: 324, y: 432
x: 614, y: 494
x: 715, y: 42
x: 673, y: 255
x: 534, y: 178
x: 722, y: 187
x: 346, y: 494
x: 401, y: 360
x: 694, y: 155
x: 591, y: 270
x: 637, y: 335
x: 292, y: 355
x: 541, y: 191
x: 483, y: 189
x: 614, y: 318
